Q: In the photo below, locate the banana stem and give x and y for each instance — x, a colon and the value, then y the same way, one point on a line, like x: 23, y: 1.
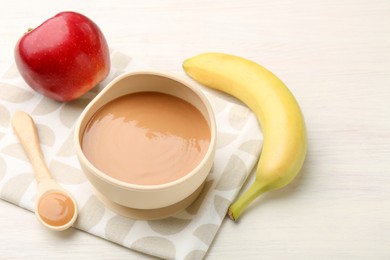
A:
x: 255, y: 190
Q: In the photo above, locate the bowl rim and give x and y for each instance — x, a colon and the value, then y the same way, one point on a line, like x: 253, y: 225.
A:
x: 130, y: 186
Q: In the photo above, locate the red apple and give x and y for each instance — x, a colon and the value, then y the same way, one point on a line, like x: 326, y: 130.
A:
x: 64, y: 57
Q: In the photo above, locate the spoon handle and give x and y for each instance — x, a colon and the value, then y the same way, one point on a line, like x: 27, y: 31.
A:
x: 25, y: 129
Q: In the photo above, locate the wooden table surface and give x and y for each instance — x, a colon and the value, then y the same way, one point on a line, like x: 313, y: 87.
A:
x: 335, y: 58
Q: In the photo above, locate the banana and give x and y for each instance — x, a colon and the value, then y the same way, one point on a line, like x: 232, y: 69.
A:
x: 284, y: 132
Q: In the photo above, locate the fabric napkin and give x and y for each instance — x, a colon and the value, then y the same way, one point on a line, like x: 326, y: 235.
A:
x: 186, y: 235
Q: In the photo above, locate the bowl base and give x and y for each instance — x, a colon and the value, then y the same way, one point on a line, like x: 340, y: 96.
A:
x: 149, y: 214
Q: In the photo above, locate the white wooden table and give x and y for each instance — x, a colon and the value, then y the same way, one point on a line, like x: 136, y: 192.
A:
x: 334, y: 56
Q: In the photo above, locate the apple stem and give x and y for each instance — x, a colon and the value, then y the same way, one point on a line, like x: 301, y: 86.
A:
x: 30, y: 29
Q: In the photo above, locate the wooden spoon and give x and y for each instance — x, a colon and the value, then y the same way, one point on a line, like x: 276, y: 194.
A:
x: 54, y: 206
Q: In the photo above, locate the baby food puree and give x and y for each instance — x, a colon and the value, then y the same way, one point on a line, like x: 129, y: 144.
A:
x: 146, y: 138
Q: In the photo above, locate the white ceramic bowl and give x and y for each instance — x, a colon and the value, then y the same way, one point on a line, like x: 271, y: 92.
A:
x: 147, y: 197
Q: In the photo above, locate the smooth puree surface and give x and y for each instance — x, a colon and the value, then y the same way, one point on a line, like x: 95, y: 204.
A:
x: 146, y: 138
x: 56, y: 209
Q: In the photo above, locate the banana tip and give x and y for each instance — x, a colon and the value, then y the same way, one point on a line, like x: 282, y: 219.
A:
x: 231, y: 215
x: 185, y: 64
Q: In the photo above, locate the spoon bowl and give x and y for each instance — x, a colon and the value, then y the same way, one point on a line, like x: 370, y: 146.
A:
x: 55, y: 208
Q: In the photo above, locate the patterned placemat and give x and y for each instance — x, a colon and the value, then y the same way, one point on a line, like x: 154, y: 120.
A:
x: 186, y: 235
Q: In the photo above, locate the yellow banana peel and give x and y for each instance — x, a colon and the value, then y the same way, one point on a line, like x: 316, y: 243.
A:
x: 284, y: 132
